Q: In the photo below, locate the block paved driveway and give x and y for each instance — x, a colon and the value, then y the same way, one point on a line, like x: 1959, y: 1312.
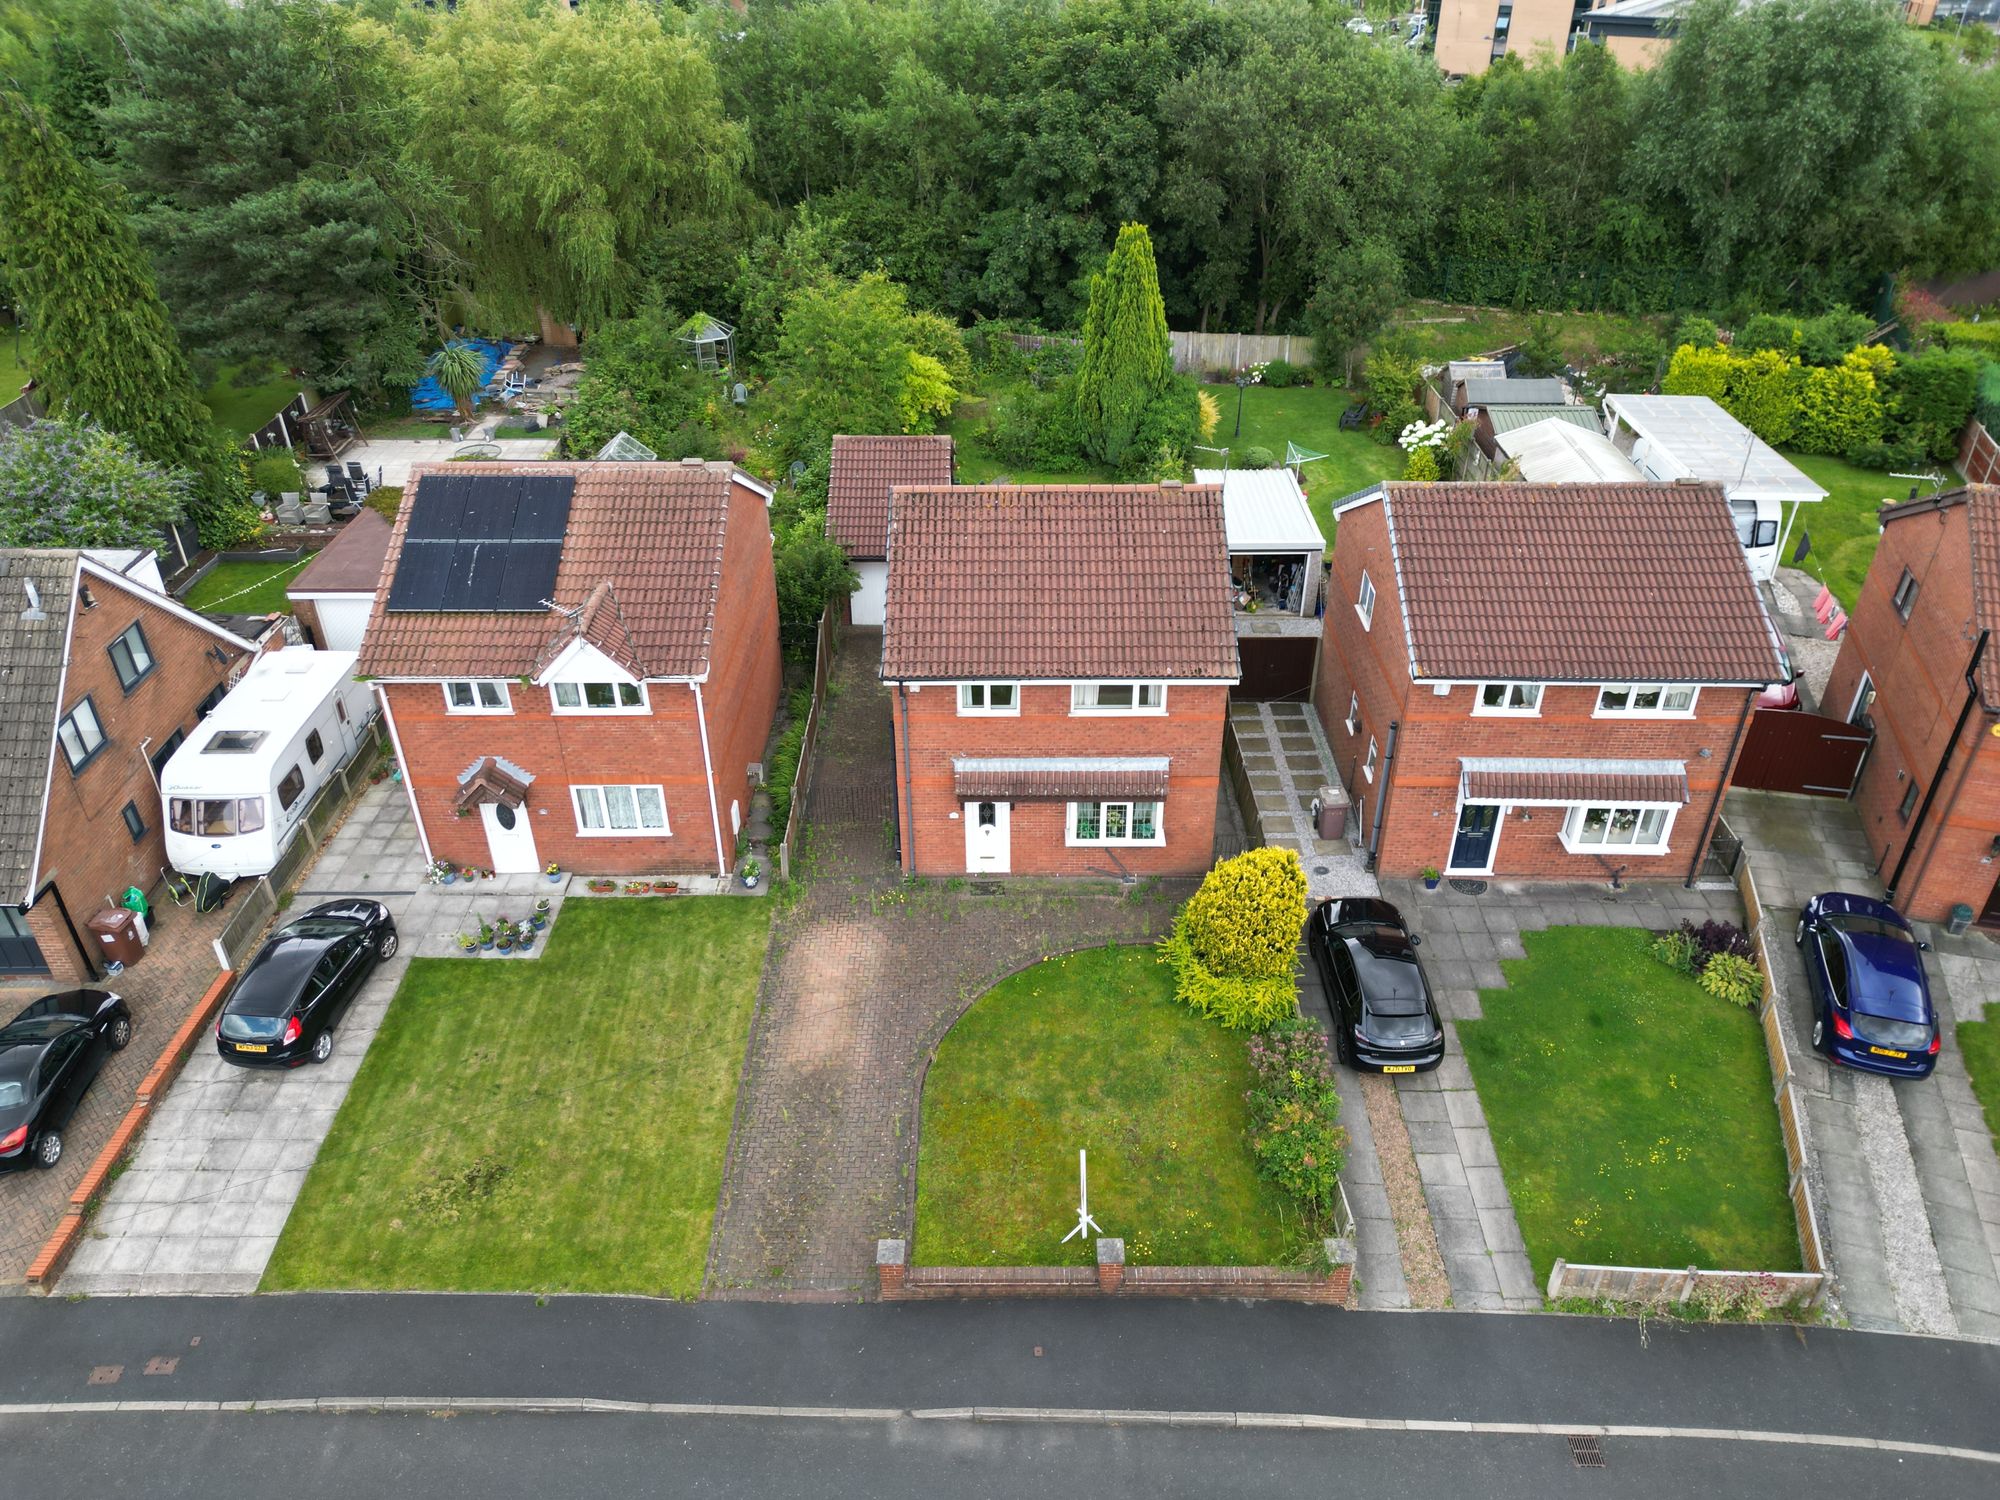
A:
x: 864, y: 976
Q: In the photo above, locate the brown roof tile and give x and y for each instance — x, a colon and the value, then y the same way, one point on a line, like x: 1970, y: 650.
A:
x: 1575, y: 781
x: 1982, y: 516
x: 1577, y: 583
x: 1057, y: 779
x: 349, y: 564
x: 652, y: 532
x: 864, y: 470
x: 1058, y: 582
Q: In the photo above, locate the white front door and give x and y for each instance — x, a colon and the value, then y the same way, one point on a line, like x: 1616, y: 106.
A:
x: 510, y: 838
x: 986, y: 843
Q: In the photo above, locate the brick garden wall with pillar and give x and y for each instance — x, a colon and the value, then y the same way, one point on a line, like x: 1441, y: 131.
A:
x: 1330, y: 1286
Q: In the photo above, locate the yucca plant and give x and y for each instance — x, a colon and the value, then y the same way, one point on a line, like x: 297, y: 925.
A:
x: 460, y: 373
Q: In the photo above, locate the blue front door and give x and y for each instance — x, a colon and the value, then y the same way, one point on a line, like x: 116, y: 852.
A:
x: 1472, y: 848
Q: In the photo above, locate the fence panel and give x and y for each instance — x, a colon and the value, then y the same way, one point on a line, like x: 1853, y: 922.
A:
x: 1196, y: 352
x: 1978, y: 454
x: 240, y: 933
x: 285, y: 430
x: 1663, y: 1284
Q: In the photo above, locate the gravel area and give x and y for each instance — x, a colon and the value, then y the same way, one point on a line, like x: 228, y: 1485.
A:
x: 1791, y: 593
x: 1916, y: 1276
x: 1423, y: 1266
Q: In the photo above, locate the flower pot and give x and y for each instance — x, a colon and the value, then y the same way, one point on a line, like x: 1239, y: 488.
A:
x: 555, y: 877
x: 749, y: 882
x: 487, y: 946
x: 538, y: 921
x: 1431, y: 882
x: 449, y: 879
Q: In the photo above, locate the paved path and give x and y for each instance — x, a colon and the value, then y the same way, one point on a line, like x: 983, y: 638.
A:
x: 864, y: 976
x: 1287, y: 759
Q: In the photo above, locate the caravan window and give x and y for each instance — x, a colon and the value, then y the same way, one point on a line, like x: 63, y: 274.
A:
x: 215, y: 817
x: 289, y: 789
x: 315, y: 746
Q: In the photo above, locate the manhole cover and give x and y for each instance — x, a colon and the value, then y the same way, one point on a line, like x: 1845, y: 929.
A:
x: 1469, y: 887
x: 1585, y: 1453
x: 162, y: 1364
x: 1319, y: 869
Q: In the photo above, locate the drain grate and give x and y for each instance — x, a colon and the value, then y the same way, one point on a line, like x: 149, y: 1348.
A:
x: 1585, y: 1452
x: 1320, y: 869
x: 1468, y: 887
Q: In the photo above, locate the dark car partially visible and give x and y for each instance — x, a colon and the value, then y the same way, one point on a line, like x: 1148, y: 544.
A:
x: 283, y: 1009
x: 1384, y: 1018
x: 49, y: 1055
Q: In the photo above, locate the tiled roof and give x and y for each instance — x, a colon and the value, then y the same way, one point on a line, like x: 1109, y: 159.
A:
x: 1982, y: 513
x: 1577, y: 583
x: 1059, y: 779
x: 652, y: 532
x: 349, y: 564
x: 31, y: 674
x: 1059, y: 582
x: 1526, y: 779
x: 865, y: 470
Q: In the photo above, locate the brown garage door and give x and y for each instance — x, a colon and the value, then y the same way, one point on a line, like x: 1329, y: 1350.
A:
x: 1789, y: 751
x: 1276, y: 668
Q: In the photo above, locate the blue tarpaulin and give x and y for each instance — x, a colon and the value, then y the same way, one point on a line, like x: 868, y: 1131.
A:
x: 428, y: 395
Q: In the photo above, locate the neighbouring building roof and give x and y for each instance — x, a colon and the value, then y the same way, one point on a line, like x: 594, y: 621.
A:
x: 349, y: 564
x: 1264, y: 510
x: 1558, y: 452
x: 639, y: 574
x: 1475, y: 369
x: 1982, y: 516
x: 1552, y: 779
x: 1508, y: 418
x: 31, y: 677
x: 1709, y: 443
x: 1059, y: 779
x: 1544, y: 392
x: 1576, y: 583
x: 1058, y: 583
x: 865, y: 469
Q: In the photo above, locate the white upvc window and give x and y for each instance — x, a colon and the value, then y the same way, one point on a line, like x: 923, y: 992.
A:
x: 599, y: 697
x: 1116, y: 823
x: 1353, y: 719
x: 620, y: 811
x: 989, y: 698
x: 1626, y: 830
x: 1118, y: 698
x: 1364, y: 605
x: 1368, y: 765
x: 478, y: 695
x: 1646, y: 700
x: 1517, y: 699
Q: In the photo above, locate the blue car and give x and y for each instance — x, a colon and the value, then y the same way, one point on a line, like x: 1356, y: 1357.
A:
x: 1871, y: 1004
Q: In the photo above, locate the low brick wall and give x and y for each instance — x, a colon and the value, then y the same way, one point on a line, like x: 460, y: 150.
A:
x: 1659, y: 1284
x: 1111, y: 1277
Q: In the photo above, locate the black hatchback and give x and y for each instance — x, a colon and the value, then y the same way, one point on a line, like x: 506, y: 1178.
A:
x: 283, y: 1010
x: 1384, y: 1018
x: 49, y: 1054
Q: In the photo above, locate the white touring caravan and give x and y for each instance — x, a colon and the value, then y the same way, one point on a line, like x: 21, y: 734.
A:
x: 235, y: 793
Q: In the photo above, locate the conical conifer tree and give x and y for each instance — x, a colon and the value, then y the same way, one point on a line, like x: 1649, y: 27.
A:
x: 1127, y: 357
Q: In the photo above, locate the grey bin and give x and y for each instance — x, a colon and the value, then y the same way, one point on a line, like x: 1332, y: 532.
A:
x: 1960, y: 919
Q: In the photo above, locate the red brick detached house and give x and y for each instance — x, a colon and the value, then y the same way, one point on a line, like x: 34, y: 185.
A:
x: 1929, y: 790
x: 579, y: 662
x: 1059, y: 660
x: 865, y: 470
x: 101, y: 677
x: 1540, y: 680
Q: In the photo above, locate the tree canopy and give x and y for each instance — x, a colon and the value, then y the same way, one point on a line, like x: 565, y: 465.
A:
x: 72, y: 484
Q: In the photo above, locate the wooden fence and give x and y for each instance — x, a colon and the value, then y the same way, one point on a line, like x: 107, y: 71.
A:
x: 285, y: 430
x: 1196, y: 352
x: 22, y: 410
x: 795, y: 819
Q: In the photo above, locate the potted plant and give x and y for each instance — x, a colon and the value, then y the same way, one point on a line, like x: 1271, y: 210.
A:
x: 443, y: 874
x: 486, y: 936
x: 636, y: 887
x: 468, y: 942
x: 752, y: 871
x: 503, y: 936
x: 554, y: 872
x: 602, y: 887
x: 540, y: 918
x: 467, y: 874
x: 524, y: 939
x: 664, y: 887
x: 1431, y: 877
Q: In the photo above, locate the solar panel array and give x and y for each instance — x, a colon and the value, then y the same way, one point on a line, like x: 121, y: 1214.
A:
x: 483, y: 543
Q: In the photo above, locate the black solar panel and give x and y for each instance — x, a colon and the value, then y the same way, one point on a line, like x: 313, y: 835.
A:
x: 483, y: 542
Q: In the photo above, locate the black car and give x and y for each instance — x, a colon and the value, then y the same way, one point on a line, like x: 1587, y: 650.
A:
x: 284, y: 1008
x: 1383, y: 1016
x: 49, y: 1054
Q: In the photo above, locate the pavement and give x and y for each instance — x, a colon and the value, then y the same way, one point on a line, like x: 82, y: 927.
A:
x: 393, y: 458
x: 1287, y: 760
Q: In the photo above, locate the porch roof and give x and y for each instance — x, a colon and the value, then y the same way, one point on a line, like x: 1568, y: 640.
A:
x: 493, y: 778
x: 1556, y: 780
x: 1059, y: 778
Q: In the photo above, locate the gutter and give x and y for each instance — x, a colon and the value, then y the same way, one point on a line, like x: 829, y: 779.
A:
x: 908, y: 819
x: 1972, y: 701
x: 708, y: 771
x: 1382, y: 793
x: 1721, y: 791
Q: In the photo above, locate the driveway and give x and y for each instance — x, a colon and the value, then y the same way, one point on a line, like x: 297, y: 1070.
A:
x: 1909, y: 1184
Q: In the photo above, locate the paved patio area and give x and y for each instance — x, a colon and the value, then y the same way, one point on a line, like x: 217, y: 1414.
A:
x: 1287, y: 758
x: 393, y: 458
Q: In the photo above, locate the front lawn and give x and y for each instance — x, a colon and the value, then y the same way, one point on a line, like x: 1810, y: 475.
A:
x: 1843, y: 526
x: 1630, y: 1109
x: 555, y: 1124
x: 1092, y: 1052
x: 1979, y: 1043
x: 245, y: 588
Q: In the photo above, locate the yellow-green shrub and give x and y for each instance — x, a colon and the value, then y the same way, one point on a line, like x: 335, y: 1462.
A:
x: 1235, y: 944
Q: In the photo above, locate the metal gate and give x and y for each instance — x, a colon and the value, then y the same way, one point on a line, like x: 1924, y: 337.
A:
x: 1789, y: 751
x: 19, y: 952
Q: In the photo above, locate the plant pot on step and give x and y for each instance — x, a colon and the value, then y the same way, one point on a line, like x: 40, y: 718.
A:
x: 1431, y: 878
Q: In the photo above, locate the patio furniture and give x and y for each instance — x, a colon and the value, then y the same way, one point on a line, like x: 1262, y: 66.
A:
x: 357, y: 478
x: 1354, y: 416
x: 319, y: 513
x: 289, y: 511
x: 478, y: 450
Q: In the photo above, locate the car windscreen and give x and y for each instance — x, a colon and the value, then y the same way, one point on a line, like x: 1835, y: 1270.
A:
x: 1854, y: 922
x: 1413, y: 1027
x: 252, y: 1028
x: 1884, y: 1031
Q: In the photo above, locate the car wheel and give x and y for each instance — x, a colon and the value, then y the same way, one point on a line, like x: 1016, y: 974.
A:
x: 1799, y: 937
x: 1819, y: 1034
x: 389, y: 946
x: 121, y: 1034
x: 322, y: 1047
x: 48, y: 1148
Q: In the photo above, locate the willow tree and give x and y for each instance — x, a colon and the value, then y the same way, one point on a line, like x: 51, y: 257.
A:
x: 1127, y: 358
x: 569, y: 136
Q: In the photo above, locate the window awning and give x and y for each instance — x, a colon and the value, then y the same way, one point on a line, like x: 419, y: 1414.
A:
x: 492, y: 778
x: 1548, y: 780
x: 1059, y: 779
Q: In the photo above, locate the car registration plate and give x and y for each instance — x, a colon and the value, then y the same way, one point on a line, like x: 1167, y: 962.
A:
x: 1400, y: 1068
x: 252, y: 1047
x: 1887, y: 1052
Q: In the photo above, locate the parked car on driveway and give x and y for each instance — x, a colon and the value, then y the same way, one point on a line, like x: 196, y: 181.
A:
x: 1384, y: 1018
x: 49, y: 1054
x: 283, y: 1010
x: 1871, y: 1003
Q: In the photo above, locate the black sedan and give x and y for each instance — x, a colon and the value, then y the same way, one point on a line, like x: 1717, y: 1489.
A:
x: 1383, y: 1016
x: 283, y: 1010
x: 49, y: 1054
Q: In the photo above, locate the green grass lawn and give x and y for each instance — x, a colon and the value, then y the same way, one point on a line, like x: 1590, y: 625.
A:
x: 1843, y: 525
x: 240, y: 409
x: 1630, y: 1109
x: 1437, y: 331
x: 1979, y: 1043
x: 555, y: 1124
x: 1091, y: 1052
x: 13, y: 374
x: 246, y: 588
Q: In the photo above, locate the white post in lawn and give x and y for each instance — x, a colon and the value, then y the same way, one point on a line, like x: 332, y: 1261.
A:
x: 1084, y: 1222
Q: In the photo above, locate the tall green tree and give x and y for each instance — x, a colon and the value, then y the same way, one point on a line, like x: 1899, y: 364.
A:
x: 1127, y: 359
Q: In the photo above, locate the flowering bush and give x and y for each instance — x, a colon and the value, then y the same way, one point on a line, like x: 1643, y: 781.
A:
x: 1293, y: 1112
x: 73, y: 484
x: 1433, y: 435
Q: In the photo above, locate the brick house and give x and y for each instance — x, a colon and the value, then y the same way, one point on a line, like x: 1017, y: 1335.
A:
x: 865, y: 469
x: 1540, y: 680
x: 102, y: 674
x: 579, y: 662
x: 1917, y: 668
x: 1060, y: 659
